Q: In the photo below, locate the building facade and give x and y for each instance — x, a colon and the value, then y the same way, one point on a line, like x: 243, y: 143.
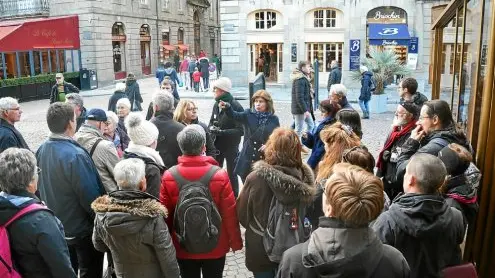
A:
x: 323, y: 30
x: 118, y: 37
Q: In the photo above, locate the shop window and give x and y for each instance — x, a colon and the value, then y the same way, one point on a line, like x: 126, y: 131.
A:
x: 37, y: 63
x: 325, y: 53
x: 459, y: 48
x: 24, y: 64
x: 11, y: 65
x: 45, y: 61
x: 180, y: 36
x: 325, y: 18
x: 265, y: 19
x: 61, y: 61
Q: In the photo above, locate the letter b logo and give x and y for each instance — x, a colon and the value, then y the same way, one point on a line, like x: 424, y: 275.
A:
x: 389, y: 31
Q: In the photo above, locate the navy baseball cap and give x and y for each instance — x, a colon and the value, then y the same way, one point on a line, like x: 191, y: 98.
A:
x: 97, y: 114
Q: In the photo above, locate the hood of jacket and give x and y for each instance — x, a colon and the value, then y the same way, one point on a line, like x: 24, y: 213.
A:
x: 297, y: 74
x: 146, y: 159
x: 86, y: 135
x: 10, y: 204
x: 335, y: 250
x: 288, y: 184
x: 368, y: 73
x: 421, y: 215
x: 169, y: 70
x: 419, y: 99
x: 125, y: 212
x: 459, y: 186
x: 451, y: 135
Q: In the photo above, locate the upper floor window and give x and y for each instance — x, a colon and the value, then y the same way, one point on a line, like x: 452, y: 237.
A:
x: 265, y: 19
x: 325, y: 18
x: 144, y: 2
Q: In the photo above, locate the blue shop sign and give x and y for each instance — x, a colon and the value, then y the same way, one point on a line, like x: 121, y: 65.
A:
x: 413, y: 45
x: 354, y: 54
x: 388, y: 34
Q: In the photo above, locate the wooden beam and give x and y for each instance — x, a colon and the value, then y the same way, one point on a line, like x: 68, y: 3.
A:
x: 447, y: 14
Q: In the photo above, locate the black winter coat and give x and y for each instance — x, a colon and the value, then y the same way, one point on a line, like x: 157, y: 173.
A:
x: 255, y: 136
x: 365, y: 94
x: 153, y: 174
x: 426, y: 230
x: 335, y: 77
x: 167, y: 146
x: 133, y: 93
x: 68, y: 88
x: 37, y: 240
x: 10, y: 137
x: 204, y: 65
x: 301, y: 93
x: 112, y: 102
x: 231, y: 131
x: 339, y: 251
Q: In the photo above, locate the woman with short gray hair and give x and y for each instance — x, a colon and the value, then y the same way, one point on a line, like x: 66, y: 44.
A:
x: 116, y: 134
x: 37, y: 239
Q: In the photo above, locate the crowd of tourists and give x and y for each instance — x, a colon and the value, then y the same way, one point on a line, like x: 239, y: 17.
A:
x: 155, y: 197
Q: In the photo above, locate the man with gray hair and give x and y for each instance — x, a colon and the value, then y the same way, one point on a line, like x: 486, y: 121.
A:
x: 420, y: 223
x: 338, y: 93
x: 137, y: 219
x: 335, y: 75
x: 10, y: 113
x: 163, y: 107
x: 77, y: 102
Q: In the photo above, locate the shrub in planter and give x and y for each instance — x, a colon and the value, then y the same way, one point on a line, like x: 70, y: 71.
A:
x: 43, y: 78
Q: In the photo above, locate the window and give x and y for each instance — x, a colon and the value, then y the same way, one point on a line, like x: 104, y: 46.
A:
x: 24, y: 64
x: 143, y: 2
x: 459, y: 47
x: 180, y: 36
x: 166, y: 4
x: 325, y: 53
x: 180, y: 5
x: 166, y: 38
x: 265, y: 19
x: 461, y: 20
x: 325, y: 18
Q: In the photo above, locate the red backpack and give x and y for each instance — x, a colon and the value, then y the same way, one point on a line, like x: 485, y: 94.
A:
x: 6, y: 266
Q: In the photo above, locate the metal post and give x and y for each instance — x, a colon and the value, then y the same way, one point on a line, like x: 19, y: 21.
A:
x: 4, y: 68
x: 17, y: 64
x: 31, y: 63
x: 72, y: 59
x: 316, y: 85
x: 452, y: 93
x: 57, y: 60
x: 49, y: 62
x: 80, y: 59
x: 41, y: 62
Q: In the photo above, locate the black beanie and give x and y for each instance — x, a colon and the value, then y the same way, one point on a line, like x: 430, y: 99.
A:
x: 455, y: 166
x: 411, y: 107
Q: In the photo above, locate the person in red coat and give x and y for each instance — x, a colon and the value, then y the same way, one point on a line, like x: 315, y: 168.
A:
x: 193, y: 165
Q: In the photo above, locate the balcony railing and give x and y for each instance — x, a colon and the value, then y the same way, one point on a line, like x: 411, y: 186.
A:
x: 24, y: 8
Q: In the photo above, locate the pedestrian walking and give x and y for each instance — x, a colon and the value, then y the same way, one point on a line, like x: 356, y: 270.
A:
x: 280, y: 178
x: 61, y: 89
x: 177, y: 60
x: 301, y: 98
x: 415, y: 220
x: 36, y: 237
x: 218, y: 63
x: 168, y: 147
x: 10, y: 113
x: 335, y: 75
x: 351, y: 118
x: 312, y: 140
x: 202, y: 232
x: 338, y: 93
x: 197, y: 79
x: 171, y: 73
x: 226, y: 131
x: 68, y: 185
x: 144, y: 136
x: 204, y: 68
x: 408, y: 91
x: 131, y: 217
x: 184, y: 72
x: 404, y: 122
x: 116, y: 134
x: 133, y: 93
x: 366, y: 88
x: 102, y: 151
x: 77, y: 102
x: 118, y: 94
x: 192, y: 68
x: 345, y: 225
x: 258, y: 123
x: 186, y: 113
x: 160, y: 73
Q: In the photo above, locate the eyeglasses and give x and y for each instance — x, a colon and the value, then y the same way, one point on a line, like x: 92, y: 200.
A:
x: 38, y: 170
x: 424, y: 117
x: 15, y: 109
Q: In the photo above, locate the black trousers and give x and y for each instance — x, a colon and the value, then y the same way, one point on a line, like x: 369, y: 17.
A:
x: 191, y: 75
x: 85, y: 258
x: 229, y: 154
x: 212, y: 268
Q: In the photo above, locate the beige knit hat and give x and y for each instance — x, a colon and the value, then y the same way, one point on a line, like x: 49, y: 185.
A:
x: 223, y: 83
x: 140, y: 131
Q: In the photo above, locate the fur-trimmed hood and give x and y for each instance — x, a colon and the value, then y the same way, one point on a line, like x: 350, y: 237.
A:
x: 127, y: 212
x: 288, y: 184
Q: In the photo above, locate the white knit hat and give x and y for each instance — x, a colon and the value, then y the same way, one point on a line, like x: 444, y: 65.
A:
x: 223, y: 83
x: 140, y: 131
x: 120, y: 86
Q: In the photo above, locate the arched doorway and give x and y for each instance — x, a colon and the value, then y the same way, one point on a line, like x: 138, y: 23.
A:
x: 118, y: 48
x: 197, y: 33
x: 145, y: 37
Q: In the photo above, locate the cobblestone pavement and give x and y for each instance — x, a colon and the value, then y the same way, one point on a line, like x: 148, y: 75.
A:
x: 35, y: 131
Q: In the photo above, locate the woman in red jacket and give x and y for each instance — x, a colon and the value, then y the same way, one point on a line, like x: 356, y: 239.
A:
x: 194, y: 165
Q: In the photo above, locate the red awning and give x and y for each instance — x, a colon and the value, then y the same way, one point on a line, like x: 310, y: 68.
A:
x: 40, y: 33
x: 183, y: 47
x: 169, y: 47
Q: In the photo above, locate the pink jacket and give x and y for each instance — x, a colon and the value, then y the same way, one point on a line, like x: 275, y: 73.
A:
x: 184, y: 66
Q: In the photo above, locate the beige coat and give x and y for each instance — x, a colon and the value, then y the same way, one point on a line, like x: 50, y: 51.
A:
x: 105, y: 155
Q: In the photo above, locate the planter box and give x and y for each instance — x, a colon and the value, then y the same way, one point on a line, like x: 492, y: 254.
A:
x: 28, y: 92
x: 13, y: 91
x: 378, y: 103
x: 43, y: 90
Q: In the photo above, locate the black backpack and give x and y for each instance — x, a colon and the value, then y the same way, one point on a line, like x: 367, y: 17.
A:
x: 197, y: 221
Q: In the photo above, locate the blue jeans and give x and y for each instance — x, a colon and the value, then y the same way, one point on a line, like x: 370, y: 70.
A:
x: 268, y: 274
x: 365, y: 107
x: 299, y: 121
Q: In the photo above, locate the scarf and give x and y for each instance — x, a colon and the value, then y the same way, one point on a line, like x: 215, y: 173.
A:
x: 262, y: 116
x: 226, y: 97
x: 394, y: 136
x: 145, y: 151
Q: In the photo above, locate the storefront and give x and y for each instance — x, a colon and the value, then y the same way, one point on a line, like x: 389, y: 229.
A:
x: 145, y: 38
x: 39, y: 46
x: 470, y: 96
x: 118, y: 47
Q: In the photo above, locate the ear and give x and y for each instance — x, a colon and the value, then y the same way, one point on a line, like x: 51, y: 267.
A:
x: 142, y: 184
x: 155, y: 108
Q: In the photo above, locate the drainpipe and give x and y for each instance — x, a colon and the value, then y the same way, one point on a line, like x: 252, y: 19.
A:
x: 157, y: 36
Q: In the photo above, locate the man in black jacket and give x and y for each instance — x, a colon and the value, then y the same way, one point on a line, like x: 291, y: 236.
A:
x: 335, y: 76
x: 226, y: 131
x: 77, y: 103
x: 61, y: 89
x: 301, y: 107
x: 420, y: 223
x: 10, y: 113
x: 408, y: 91
x: 167, y: 146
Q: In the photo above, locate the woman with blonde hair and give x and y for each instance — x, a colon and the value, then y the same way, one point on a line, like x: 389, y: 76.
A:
x: 186, y: 113
x: 258, y: 122
x: 281, y: 176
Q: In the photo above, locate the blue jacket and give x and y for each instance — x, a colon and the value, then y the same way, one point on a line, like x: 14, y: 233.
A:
x: 160, y: 75
x: 366, y: 86
x: 254, y: 137
x: 10, y: 137
x: 68, y: 184
x: 314, y: 142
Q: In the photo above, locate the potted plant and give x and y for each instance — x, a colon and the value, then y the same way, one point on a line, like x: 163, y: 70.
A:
x: 384, y: 65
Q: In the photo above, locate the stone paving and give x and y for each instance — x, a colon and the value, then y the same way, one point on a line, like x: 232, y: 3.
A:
x: 35, y: 131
